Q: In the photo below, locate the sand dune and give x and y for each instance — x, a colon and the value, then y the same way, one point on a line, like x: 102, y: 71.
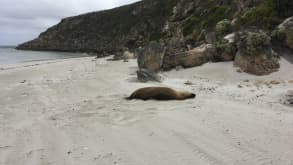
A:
x: 73, y: 112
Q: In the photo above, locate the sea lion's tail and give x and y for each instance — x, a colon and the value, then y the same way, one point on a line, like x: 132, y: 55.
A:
x: 128, y: 98
x: 131, y: 97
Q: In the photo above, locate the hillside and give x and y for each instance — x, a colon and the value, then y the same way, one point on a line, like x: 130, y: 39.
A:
x: 135, y: 25
x: 106, y: 31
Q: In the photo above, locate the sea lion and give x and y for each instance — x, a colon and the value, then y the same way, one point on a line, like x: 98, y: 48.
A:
x: 160, y: 93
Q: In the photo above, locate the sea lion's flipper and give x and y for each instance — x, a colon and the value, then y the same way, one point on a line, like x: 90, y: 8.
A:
x: 128, y: 98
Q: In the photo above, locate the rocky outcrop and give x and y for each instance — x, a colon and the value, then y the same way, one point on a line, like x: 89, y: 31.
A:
x: 191, y: 58
x: 286, y: 29
x: 255, y: 54
x: 179, y: 28
x: 132, y: 26
x: 151, y: 57
x: 261, y: 64
x: 145, y: 75
x: 107, y: 32
x: 195, y: 57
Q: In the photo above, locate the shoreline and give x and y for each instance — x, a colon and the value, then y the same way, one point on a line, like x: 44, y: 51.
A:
x: 36, y: 63
x: 11, y: 56
x: 73, y: 111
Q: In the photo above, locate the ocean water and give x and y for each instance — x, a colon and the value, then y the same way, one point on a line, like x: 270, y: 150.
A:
x: 9, y: 55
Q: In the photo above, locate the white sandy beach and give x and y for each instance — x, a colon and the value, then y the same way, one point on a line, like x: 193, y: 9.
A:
x: 73, y: 112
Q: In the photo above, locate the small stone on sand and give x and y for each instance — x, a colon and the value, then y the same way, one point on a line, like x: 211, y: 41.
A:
x: 188, y: 83
x: 275, y: 82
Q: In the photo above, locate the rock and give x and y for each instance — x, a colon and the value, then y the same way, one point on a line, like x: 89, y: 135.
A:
x: 123, y: 55
x: 230, y: 37
x: 196, y: 57
x: 128, y: 55
x: 211, y: 37
x: 234, y: 24
x: 239, y: 70
x: 286, y: 24
x: 290, y: 81
x: 258, y: 65
x: 188, y: 83
x: 286, y: 28
x: 151, y: 57
x: 288, y: 98
x: 275, y: 82
x: 255, y: 54
x: 145, y: 75
x: 116, y: 57
x: 178, y: 68
x: 225, y: 51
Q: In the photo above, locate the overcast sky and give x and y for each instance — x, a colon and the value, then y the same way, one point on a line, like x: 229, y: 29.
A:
x: 23, y: 20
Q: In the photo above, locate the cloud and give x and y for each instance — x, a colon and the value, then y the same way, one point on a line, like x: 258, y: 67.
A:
x: 23, y: 20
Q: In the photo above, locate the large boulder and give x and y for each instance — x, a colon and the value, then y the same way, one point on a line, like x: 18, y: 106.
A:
x: 128, y: 55
x: 286, y: 29
x: 151, y: 57
x: 145, y: 75
x: 255, y: 54
x: 288, y: 98
x: 195, y: 57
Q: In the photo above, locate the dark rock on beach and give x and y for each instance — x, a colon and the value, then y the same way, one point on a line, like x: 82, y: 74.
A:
x: 255, y: 54
x: 151, y: 57
x: 145, y: 75
x: 285, y: 32
x: 195, y: 57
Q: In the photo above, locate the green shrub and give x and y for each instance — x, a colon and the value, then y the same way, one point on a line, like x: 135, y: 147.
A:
x: 223, y: 26
x: 267, y: 15
x: 217, y: 14
x: 283, y: 8
x: 225, y: 47
x: 205, y: 16
x: 263, y: 15
x: 251, y: 43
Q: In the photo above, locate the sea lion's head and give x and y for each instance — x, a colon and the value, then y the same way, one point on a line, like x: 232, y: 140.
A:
x: 192, y: 95
x: 186, y: 95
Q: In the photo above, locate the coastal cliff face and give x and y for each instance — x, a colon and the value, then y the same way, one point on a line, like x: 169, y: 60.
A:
x: 179, y: 25
x: 107, y: 31
x: 137, y: 24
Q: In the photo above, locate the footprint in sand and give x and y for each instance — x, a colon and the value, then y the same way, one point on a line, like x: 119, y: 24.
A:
x: 123, y: 120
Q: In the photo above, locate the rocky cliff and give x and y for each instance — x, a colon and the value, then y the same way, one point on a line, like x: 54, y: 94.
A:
x: 107, y: 31
x: 137, y: 24
x: 180, y: 25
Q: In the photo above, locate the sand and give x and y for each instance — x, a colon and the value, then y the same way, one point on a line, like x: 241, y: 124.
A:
x: 73, y: 112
